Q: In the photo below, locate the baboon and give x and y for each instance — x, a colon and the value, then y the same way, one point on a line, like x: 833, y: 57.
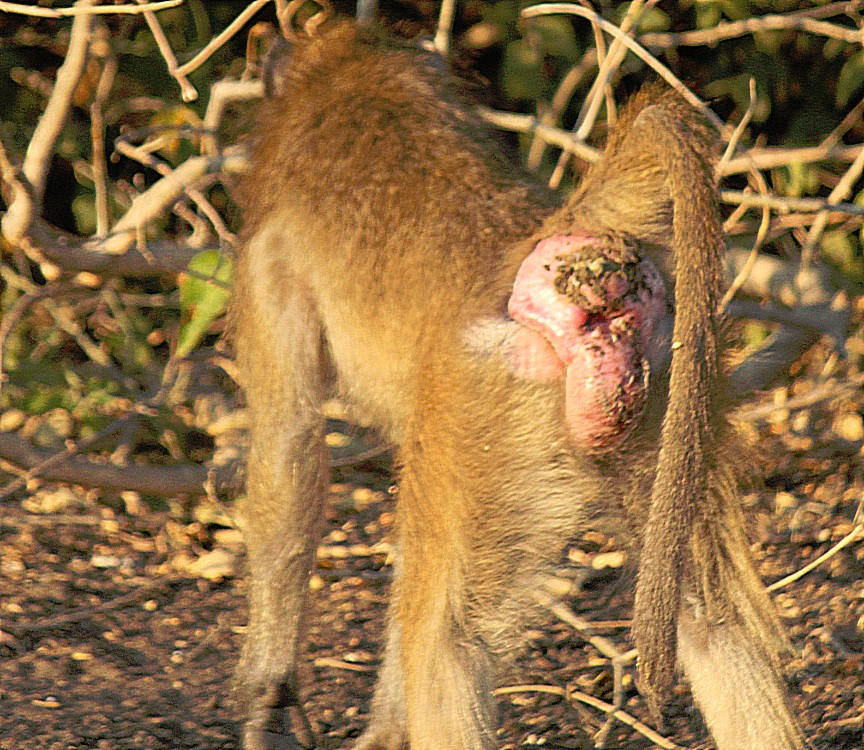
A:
x: 519, y: 353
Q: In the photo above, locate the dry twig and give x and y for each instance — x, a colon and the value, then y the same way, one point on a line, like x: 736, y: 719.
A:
x: 824, y: 392
x: 141, y: 154
x: 97, y: 135
x: 441, y: 42
x: 41, y: 148
x: 841, y: 191
x: 187, y: 90
x: 331, y: 663
x: 771, y: 158
x: 70, y: 618
x: 223, y: 36
x: 757, y: 177
x: 853, y: 536
x: 603, y: 645
x: 802, y: 21
x: 101, y: 10
x: 590, y: 700
x: 625, y: 718
x: 787, y: 203
x: 600, y: 89
x: 552, y: 114
x: 667, y: 75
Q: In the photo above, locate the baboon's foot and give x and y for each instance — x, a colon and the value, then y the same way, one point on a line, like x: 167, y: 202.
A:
x: 278, y: 728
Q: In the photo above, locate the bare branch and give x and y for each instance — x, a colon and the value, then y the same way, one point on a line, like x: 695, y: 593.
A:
x: 121, y: 252
x: 97, y: 135
x: 625, y: 718
x: 826, y: 391
x: 839, y: 193
x: 39, y: 152
x: 98, y: 10
x: 68, y: 618
x: 739, y: 130
x: 617, y: 51
x: 741, y: 279
x: 852, y: 118
x: 146, y: 158
x: 152, y: 203
x: 757, y: 178
x: 517, y: 123
x: 223, y: 36
x: 560, y: 100
x: 12, y: 184
x: 13, y: 316
x: 221, y: 94
x: 187, y: 90
x: 182, y: 479
x: 45, y: 243
x: 27, y: 186
x: 782, y: 224
x: 667, y: 75
x: 771, y: 158
x: 762, y: 158
x: 441, y: 42
x: 774, y: 22
x: 600, y: 89
x: 785, y: 203
x: 853, y: 536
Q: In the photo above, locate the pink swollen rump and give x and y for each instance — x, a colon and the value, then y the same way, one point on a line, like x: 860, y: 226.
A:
x: 600, y: 343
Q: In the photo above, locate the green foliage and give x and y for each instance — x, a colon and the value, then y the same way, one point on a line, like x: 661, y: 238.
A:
x: 177, y: 147
x: 708, y: 14
x: 753, y: 335
x: 531, y: 62
x: 800, y: 180
x: 204, y: 293
x: 840, y: 248
x: 40, y: 387
x: 851, y: 79
x: 520, y: 71
x: 653, y: 19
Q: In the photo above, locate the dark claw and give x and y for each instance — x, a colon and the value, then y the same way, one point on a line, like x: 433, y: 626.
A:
x: 278, y: 728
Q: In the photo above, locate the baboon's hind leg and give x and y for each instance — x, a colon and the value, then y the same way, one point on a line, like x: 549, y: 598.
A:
x: 282, y: 361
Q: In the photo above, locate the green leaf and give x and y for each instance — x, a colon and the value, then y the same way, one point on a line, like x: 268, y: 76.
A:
x: 176, y: 147
x: 556, y: 37
x: 521, y: 73
x: 204, y: 293
x: 851, y: 79
x: 651, y: 20
x: 738, y: 87
x: 708, y: 15
x: 803, y: 180
x: 753, y: 335
x: 84, y: 211
x: 840, y: 248
x: 504, y: 14
x: 735, y: 10
x: 654, y: 19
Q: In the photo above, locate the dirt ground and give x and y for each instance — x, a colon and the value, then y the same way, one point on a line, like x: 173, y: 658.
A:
x: 121, y: 618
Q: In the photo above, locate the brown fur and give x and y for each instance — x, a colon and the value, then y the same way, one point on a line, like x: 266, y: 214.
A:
x: 382, y: 223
